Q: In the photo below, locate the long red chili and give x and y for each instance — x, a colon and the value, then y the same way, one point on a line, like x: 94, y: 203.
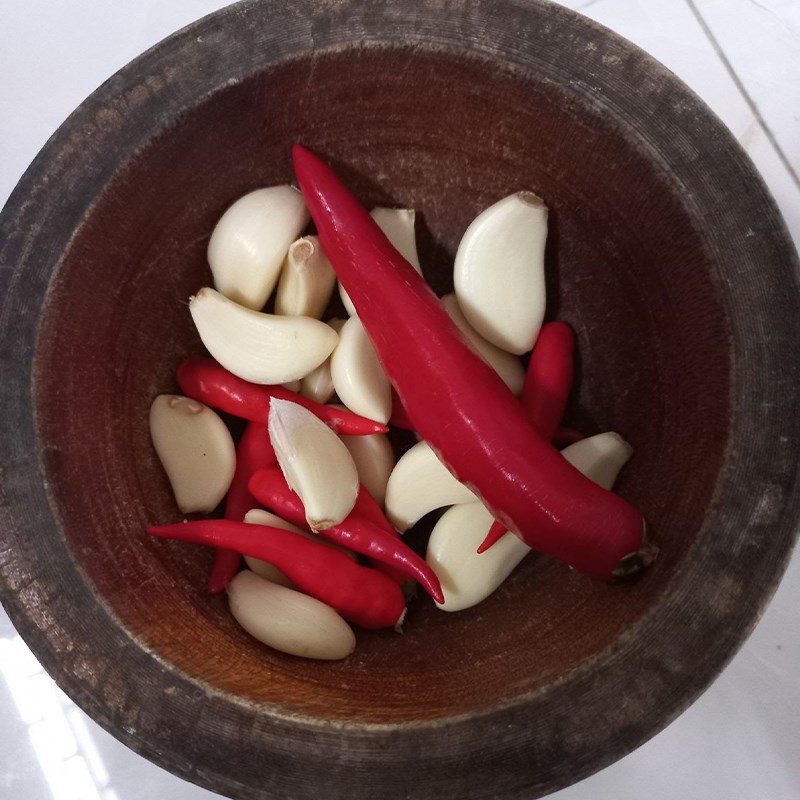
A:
x: 457, y: 403
x: 360, y: 594
x: 548, y: 380
x: 205, y: 380
x: 254, y: 452
x: 354, y: 532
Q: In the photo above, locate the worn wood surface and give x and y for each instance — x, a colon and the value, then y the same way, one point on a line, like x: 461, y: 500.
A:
x: 667, y: 256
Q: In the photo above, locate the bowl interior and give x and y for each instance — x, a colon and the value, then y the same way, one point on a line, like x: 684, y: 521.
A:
x: 626, y: 268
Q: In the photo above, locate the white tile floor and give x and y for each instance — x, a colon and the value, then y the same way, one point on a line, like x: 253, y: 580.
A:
x: 742, y: 738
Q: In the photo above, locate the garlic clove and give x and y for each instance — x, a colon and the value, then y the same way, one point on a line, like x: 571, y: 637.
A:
x: 506, y: 365
x: 315, y: 463
x: 318, y: 384
x: 250, y: 241
x: 467, y: 577
x: 258, y: 516
x: 287, y: 620
x: 196, y: 450
x: 292, y: 386
x: 499, y: 272
x: 262, y: 348
x: 398, y: 225
x: 419, y: 484
x: 358, y: 377
x: 600, y: 457
x: 307, y: 280
x: 374, y: 460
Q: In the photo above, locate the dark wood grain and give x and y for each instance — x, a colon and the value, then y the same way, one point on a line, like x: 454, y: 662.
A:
x: 667, y: 256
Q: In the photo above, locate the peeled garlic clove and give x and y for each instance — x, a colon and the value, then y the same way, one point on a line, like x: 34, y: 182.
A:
x: 262, y: 348
x: 467, y: 578
x: 307, y: 280
x: 196, y: 450
x: 499, y: 272
x: 600, y: 457
x: 258, y: 516
x: 506, y: 365
x: 318, y: 384
x: 250, y: 241
x: 358, y: 377
x: 398, y: 225
x: 374, y: 460
x: 287, y: 620
x: 315, y: 463
x: 420, y: 483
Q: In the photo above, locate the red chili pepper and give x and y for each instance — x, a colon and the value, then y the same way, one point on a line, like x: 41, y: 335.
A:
x: 549, y: 378
x: 565, y: 436
x: 367, y: 508
x: 354, y: 532
x: 457, y: 403
x: 254, y: 452
x: 205, y: 380
x: 361, y: 595
x: 399, y: 416
x: 548, y: 382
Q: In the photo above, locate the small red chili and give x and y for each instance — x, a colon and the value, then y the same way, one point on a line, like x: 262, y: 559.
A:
x: 355, y: 532
x: 361, y: 595
x: 548, y: 380
x: 205, y: 380
x: 565, y: 436
x: 254, y: 452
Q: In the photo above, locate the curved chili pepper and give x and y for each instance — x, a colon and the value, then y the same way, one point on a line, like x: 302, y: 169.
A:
x: 253, y: 452
x: 368, y: 509
x: 205, y: 380
x: 360, y: 594
x: 399, y: 416
x: 548, y: 380
x: 354, y: 532
x: 456, y: 401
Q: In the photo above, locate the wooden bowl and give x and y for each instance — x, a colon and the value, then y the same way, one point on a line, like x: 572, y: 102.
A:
x: 667, y: 256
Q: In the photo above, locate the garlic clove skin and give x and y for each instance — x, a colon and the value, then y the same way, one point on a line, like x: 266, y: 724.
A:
x: 499, y: 272
x: 420, y: 483
x: 374, y: 460
x: 307, y: 280
x: 318, y: 384
x: 358, y: 377
x: 258, y: 516
x: 195, y: 449
x: 315, y: 463
x: 467, y: 577
x: 506, y: 365
x: 261, y: 348
x: 398, y: 225
x: 292, y: 386
x: 250, y: 241
x: 287, y: 620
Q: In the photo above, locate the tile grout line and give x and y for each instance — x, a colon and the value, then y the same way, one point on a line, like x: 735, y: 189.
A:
x: 743, y: 91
